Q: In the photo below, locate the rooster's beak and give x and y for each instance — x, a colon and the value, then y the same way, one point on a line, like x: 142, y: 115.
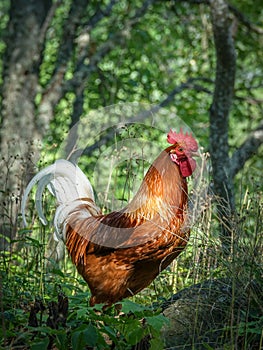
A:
x: 195, y: 154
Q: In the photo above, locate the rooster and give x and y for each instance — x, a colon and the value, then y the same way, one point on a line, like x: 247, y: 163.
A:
x: 121, y: 253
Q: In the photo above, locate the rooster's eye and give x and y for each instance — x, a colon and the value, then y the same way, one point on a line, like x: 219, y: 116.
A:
x: 180, y: 149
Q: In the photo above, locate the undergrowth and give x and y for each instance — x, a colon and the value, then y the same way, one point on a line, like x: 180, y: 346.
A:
x: 44, y: 303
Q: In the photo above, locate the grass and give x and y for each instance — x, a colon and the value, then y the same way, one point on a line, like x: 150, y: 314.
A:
x: 44, y: 303
x: 219, y: 297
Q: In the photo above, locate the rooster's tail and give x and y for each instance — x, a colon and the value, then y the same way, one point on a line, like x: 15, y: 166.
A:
x: 69, y: 185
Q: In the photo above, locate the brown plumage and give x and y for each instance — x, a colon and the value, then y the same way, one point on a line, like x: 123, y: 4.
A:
x: 121, y: 253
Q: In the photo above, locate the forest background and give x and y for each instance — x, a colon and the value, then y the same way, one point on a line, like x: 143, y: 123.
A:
x: 191, y: 63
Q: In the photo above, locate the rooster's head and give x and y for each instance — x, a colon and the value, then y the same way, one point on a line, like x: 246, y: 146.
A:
x: 184, y: 148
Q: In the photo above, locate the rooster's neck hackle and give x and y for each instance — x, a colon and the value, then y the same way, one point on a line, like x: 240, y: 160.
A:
x: 163, y: 191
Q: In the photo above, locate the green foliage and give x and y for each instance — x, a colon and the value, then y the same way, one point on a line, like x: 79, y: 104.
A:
x: 166, y: 47
x: 30, y: 278
x: 85, y: 326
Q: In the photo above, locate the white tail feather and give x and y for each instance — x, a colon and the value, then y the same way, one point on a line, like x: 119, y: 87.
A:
x: 68, y: 184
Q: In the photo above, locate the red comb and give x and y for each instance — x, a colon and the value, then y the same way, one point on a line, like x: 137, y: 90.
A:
x: 180, y: 137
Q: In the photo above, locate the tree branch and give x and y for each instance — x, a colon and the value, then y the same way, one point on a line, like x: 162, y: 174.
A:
x: 189, y: 84
x: 59, y: 87
x: 246, y: 150
x: 239, y: 15
x: 52, y: 93
x: 245, y: 21
x: 83, y: 70
x: 47, y: 22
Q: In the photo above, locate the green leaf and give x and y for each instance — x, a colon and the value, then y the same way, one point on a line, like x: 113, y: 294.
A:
x: 156, y: 343
x: 134, y: 334
x: 85, y: 335
x: 129, y: 306
x: 156, y: 322
x: 58, y: 272
x: 82, y: 312
x: 111, y: 333
x: 34, y: 242
x: 61, y: 340
x: 77, y: 341
x: 91, y: 335
x: 41, y: 345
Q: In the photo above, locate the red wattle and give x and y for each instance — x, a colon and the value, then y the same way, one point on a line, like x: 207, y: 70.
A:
x: 187, y: 166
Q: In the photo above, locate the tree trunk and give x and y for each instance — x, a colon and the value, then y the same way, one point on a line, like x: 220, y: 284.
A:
x: 20, y: 128
x: 219, y: 116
